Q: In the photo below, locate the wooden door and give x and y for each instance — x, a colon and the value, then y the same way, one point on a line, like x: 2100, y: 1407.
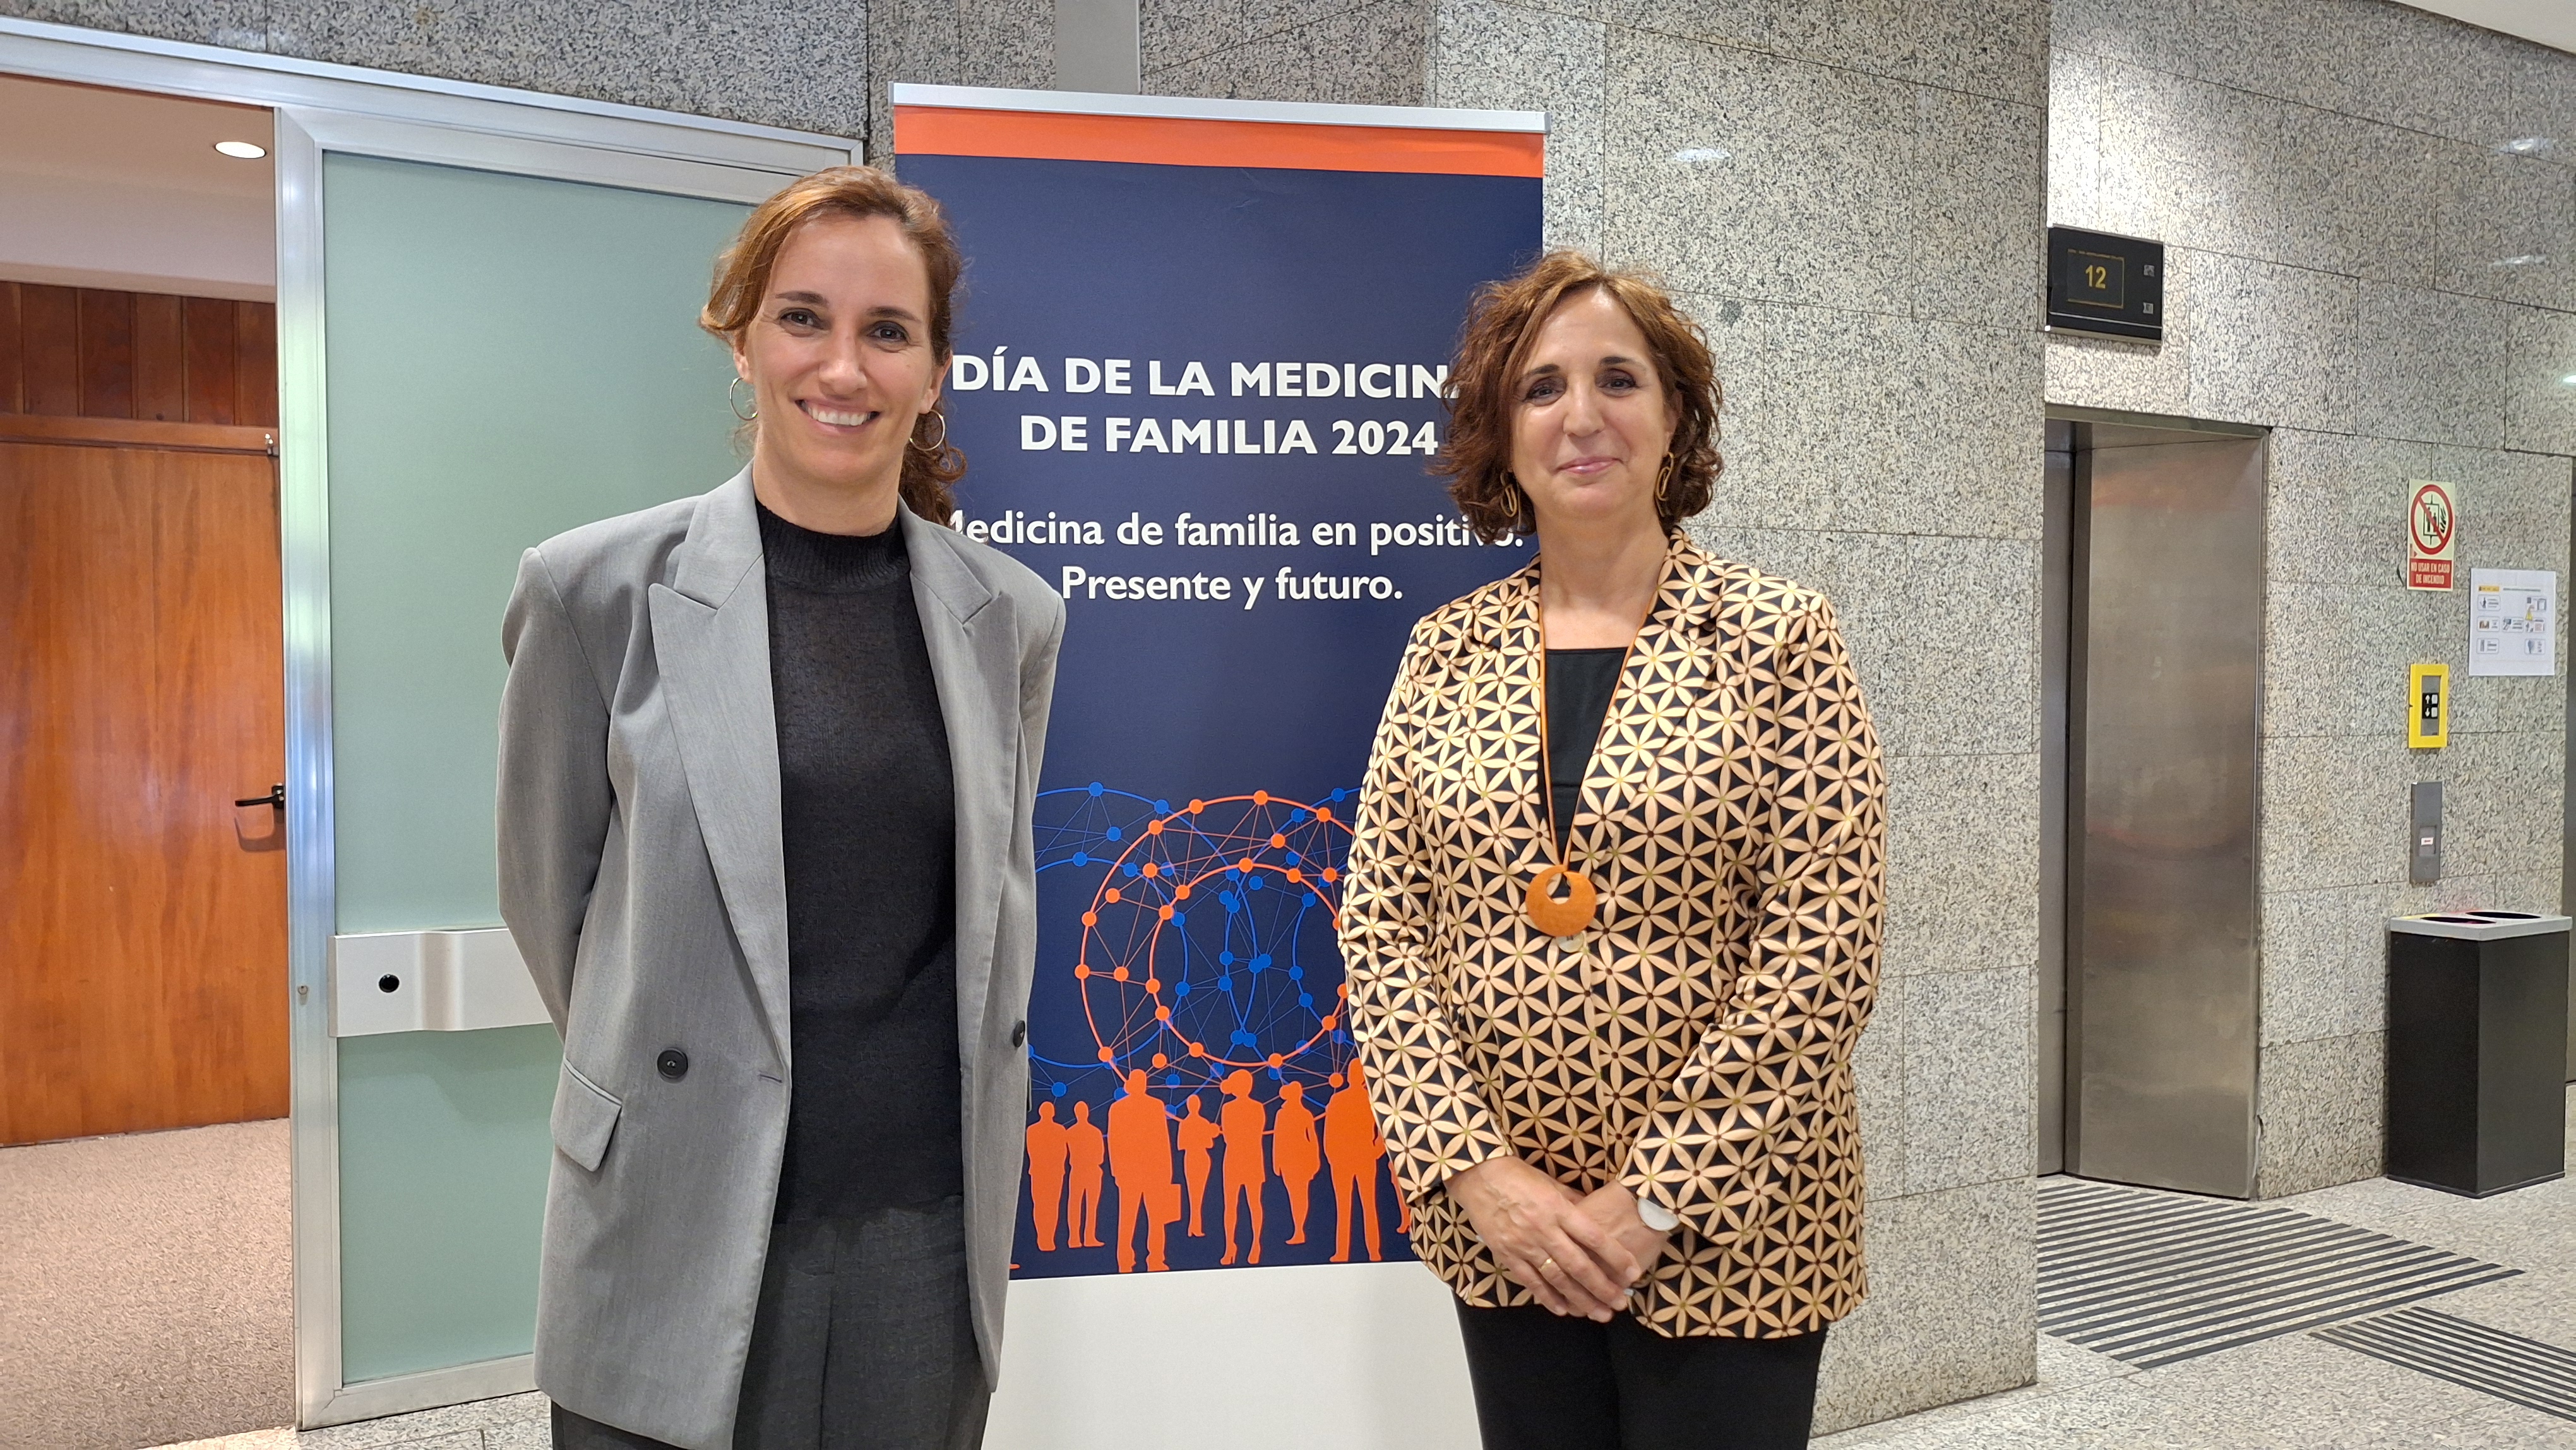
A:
x: 143, y: 975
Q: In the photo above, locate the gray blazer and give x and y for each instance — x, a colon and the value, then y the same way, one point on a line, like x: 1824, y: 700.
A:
x: 641, y: 875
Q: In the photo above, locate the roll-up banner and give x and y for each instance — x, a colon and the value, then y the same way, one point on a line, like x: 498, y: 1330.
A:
x: 1198, y: 379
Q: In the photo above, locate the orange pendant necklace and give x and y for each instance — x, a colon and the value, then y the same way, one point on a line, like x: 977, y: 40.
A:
x: 1561, y: 899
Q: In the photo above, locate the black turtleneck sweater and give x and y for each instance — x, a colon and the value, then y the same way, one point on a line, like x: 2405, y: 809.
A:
x: 1579, y: 683
x: 869, y: 822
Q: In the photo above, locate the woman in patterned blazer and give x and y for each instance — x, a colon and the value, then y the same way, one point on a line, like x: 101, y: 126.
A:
x: 1612, y: 916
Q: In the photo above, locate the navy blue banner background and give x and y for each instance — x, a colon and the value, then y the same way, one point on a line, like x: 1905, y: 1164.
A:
x: 1193, y: 945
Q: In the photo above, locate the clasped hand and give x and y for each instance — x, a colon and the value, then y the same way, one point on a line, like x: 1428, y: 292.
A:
x: 1579, y: 1253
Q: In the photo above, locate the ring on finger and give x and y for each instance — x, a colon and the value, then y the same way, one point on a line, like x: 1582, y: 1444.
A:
x: 1547, y: 1265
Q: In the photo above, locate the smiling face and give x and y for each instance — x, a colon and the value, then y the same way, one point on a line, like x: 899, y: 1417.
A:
x: 839, y: 360
x: 1590, y: 421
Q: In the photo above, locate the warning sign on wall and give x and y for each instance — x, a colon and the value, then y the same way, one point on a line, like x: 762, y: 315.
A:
x: 2432, y: 534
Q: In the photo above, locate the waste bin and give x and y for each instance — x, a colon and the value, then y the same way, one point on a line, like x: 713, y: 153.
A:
x: 2477, y: 1050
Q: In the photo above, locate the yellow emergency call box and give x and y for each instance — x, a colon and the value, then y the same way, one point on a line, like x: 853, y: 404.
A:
x: 2428, y: 720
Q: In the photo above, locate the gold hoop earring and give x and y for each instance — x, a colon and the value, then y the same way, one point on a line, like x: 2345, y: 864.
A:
x: 735, y: 402
x: 1664, y: 478
x: 941, y: 441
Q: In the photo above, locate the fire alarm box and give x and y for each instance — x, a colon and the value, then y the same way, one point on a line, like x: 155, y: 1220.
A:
x: 2428, y: 721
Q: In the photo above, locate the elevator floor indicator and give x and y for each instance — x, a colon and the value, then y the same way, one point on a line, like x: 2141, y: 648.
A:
x: 2151, y: 1278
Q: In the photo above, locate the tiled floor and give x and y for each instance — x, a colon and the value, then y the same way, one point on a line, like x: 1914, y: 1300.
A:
x: 517, y: 1422
x: 2297, y: 1390
x: 2293, y: 1391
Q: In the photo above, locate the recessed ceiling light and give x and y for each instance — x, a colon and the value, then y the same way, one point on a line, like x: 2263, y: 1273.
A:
x: 1695, y: 155
x: 2526, y: 145
x: 2527, y: 259
x: 246, y: 150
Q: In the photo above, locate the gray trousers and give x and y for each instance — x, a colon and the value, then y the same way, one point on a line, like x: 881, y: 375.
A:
x: 863, y: 1341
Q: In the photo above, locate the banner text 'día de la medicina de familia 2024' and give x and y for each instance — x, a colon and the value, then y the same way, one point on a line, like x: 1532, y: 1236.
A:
x: 1198, y: 377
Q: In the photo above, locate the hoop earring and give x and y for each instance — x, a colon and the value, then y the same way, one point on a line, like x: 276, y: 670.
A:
x: 1522, y: 511
x: 941, y: 441
x: 1664, y: 478
x: 735, y: 402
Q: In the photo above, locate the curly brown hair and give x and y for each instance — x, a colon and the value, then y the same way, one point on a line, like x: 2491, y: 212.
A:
x: 742, y: 279
x: 1502, y: 325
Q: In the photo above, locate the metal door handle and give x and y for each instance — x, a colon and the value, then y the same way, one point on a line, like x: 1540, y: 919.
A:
x: 274, y: 800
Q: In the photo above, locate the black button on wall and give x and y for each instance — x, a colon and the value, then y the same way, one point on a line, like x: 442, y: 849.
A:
x: 1019, y: 1033
x: 672, y: 1064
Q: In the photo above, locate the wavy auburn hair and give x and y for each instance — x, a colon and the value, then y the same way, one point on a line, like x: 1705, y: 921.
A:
x: 1502, y: 326
x: 858, y: 192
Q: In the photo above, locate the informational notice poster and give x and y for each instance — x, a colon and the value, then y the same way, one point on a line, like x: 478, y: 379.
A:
x: 1198, y: 377
x: 2513, y: 622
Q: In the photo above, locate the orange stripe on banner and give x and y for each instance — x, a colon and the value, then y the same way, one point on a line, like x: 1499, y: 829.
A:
x: 1166, y: 141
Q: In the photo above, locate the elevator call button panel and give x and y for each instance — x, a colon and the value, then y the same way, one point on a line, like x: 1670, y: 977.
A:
x: 2424, y: 833
x: 2428, y: 707
x: 2106, y: 284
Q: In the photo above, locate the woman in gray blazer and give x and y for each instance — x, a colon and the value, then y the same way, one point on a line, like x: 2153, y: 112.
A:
x: 767, y: 763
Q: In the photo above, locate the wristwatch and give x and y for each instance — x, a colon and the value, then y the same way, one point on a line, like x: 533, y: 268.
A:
x: 1659, y: 1218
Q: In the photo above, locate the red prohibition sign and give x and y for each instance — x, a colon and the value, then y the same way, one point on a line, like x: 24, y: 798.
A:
x: 2430, y: 518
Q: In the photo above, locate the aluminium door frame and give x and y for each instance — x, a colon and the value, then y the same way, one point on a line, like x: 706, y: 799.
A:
x: 322, y: 108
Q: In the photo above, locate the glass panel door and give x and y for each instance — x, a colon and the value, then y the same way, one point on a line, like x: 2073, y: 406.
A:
x: 503, y: 356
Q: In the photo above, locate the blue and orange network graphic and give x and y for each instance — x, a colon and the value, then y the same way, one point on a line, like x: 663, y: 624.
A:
x: 1210, y: 351
x: 1211, y: 1112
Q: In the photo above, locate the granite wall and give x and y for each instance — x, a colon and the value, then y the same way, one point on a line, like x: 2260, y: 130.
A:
x: 1286, y: 50
x: 1849, y: 198
x: 809, y: 67
x: 2371, y: 221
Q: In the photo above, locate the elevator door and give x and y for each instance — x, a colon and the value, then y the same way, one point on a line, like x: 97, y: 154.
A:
x: 2164, y: 698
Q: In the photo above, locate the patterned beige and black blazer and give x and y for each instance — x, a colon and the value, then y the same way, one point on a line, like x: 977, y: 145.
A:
x: 1695, y: 1043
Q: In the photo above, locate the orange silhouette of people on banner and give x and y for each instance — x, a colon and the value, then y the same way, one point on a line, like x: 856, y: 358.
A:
x: 1352, y: 1146
x: 1140, y: 1158
x: 1085, y: 1151
x: 1245, y: 1125
x: 1050, y: 1155
x: 1297, y: 1155
x: 1197, y: 1136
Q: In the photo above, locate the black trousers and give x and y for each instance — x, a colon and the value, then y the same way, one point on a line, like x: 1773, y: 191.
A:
x: 863, y: 1341
x: 1546, y: 1382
